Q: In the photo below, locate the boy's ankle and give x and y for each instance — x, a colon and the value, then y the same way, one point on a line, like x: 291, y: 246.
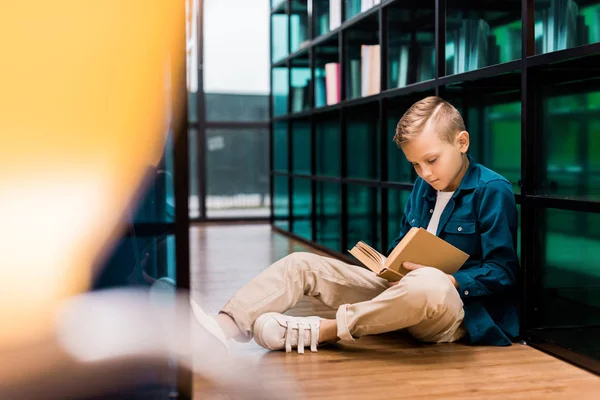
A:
x: 230, y: 328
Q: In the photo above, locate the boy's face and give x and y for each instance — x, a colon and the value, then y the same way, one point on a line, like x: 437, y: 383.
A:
x: 439, y: 163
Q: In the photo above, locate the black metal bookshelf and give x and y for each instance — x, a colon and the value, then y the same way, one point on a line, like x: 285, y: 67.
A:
x: 525, y: 80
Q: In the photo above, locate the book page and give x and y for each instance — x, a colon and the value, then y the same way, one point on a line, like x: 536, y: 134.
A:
x: 377, y: 256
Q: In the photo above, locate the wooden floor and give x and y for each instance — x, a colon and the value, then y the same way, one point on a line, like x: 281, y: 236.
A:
x: 224, y: 257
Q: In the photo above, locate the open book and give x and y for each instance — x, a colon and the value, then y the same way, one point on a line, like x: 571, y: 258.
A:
x: 418, y: 246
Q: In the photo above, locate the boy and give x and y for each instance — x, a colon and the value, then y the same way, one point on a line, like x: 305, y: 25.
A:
x: 462, y: 202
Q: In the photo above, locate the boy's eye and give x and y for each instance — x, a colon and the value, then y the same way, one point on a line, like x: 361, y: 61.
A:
x: 431, y: 161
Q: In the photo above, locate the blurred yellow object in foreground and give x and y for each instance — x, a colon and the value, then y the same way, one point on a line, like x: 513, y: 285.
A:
x: 84, y: 110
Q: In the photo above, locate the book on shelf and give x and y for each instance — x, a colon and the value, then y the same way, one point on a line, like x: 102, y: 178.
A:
x: 370, y: 70
x: 418, y: 246
x: 320, y: 88
x: 367, y: 4
x: 333, y: 83
x: 335, y: 14
x: 559, y: 25
x: 355, y: 76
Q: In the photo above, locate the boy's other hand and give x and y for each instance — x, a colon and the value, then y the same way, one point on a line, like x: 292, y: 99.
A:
x: 412, y: 266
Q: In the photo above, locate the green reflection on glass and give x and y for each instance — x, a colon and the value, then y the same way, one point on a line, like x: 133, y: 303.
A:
x: 328, y: 214
x: 495, y: 133
x: 301, y: 208
x: 280, y: 146
x: 281, y: 202
x: 363, y: 146
x: 562, y: 24
x: 280, y: 91
x: 364, y: 214
x: 328, y: 147
x: 301, y: 147
x: 353, y: 8
x: 397, y: 200
x: 572, y: 146
x: 490, y: 37
x: 298, y: 25
x: 299, y: 91
x: 321, y: 17
x: 571, y: 277
x: 411, y: 43
x: 279, y: 37
x: 399, y: 169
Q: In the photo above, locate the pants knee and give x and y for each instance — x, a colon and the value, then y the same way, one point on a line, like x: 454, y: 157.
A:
x: 428, y: 287
x: 297, y: 262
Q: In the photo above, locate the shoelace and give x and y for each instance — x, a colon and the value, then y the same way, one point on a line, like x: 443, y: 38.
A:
x: 314, y: 337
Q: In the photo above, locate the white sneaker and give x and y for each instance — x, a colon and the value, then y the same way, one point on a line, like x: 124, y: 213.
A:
x: 209, y: 324
x: 276, y: 331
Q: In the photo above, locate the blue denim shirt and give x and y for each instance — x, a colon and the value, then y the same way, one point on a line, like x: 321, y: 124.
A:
x: 481, y: 220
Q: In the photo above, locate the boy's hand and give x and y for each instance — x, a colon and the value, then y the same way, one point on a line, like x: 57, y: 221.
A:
x: 412, y: 266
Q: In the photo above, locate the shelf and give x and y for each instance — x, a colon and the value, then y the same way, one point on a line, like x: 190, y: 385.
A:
x: 482, y: 43
x: 591, y: 51
x: 409, y: 89
x: 493, y: 71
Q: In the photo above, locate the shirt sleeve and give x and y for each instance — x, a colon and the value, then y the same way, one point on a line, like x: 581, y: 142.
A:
x: 497, y: 217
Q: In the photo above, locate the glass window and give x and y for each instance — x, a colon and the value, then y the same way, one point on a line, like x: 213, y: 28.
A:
x: 397, y: 200
x: 192, y: 8
x: 157, y: 202
x: 411, y: 43
x: 280, y: 146
x: 571, y: 150
x: 355, y: 7
x: 236, y: 91
x: 280, y: 91
x: 328, y: 146
x: 300, y: 85
x: 399, y: 169
x: 237, y: 172
x: 479, y: 34
x: 495, y: 132
x: 194, y: 167
x: 279, y: 35
x: 562, y: 24
x: 301, y: 146
x: 327, y: 73
x: 328, y: 215
x: 321, y: 24
x: 298, y: 25
x: 364, y: 214
x: 494, y: 126
x: 139, y: 260
x: 302, y: 208
x: 362, y: 132
x: 281, y: 212
x: 570, y: 244
x: 363, y: 58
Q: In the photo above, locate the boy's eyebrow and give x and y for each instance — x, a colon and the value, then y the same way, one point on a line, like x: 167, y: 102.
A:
x: 427, y: 155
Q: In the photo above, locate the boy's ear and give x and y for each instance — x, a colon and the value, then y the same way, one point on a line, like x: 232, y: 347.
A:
x: 463, y: 141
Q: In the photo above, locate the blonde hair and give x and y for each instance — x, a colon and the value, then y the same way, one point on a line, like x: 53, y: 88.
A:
x: 433, y: 111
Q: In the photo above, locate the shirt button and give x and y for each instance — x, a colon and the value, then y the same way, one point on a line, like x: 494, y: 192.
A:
x: 431, y: 211
x: 466, y: 292
x: 412, y: 222
x: 460, y: 228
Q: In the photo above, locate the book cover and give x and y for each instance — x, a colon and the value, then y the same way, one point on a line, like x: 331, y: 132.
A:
x: 418, y: 246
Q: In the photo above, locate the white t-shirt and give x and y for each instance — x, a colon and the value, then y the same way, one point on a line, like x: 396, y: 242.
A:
x: 440, y: 203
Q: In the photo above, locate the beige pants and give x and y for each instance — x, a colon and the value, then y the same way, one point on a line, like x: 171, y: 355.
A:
x: 424, y: 301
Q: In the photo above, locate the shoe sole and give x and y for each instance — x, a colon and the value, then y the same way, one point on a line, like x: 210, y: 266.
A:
x: 205, y: 322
